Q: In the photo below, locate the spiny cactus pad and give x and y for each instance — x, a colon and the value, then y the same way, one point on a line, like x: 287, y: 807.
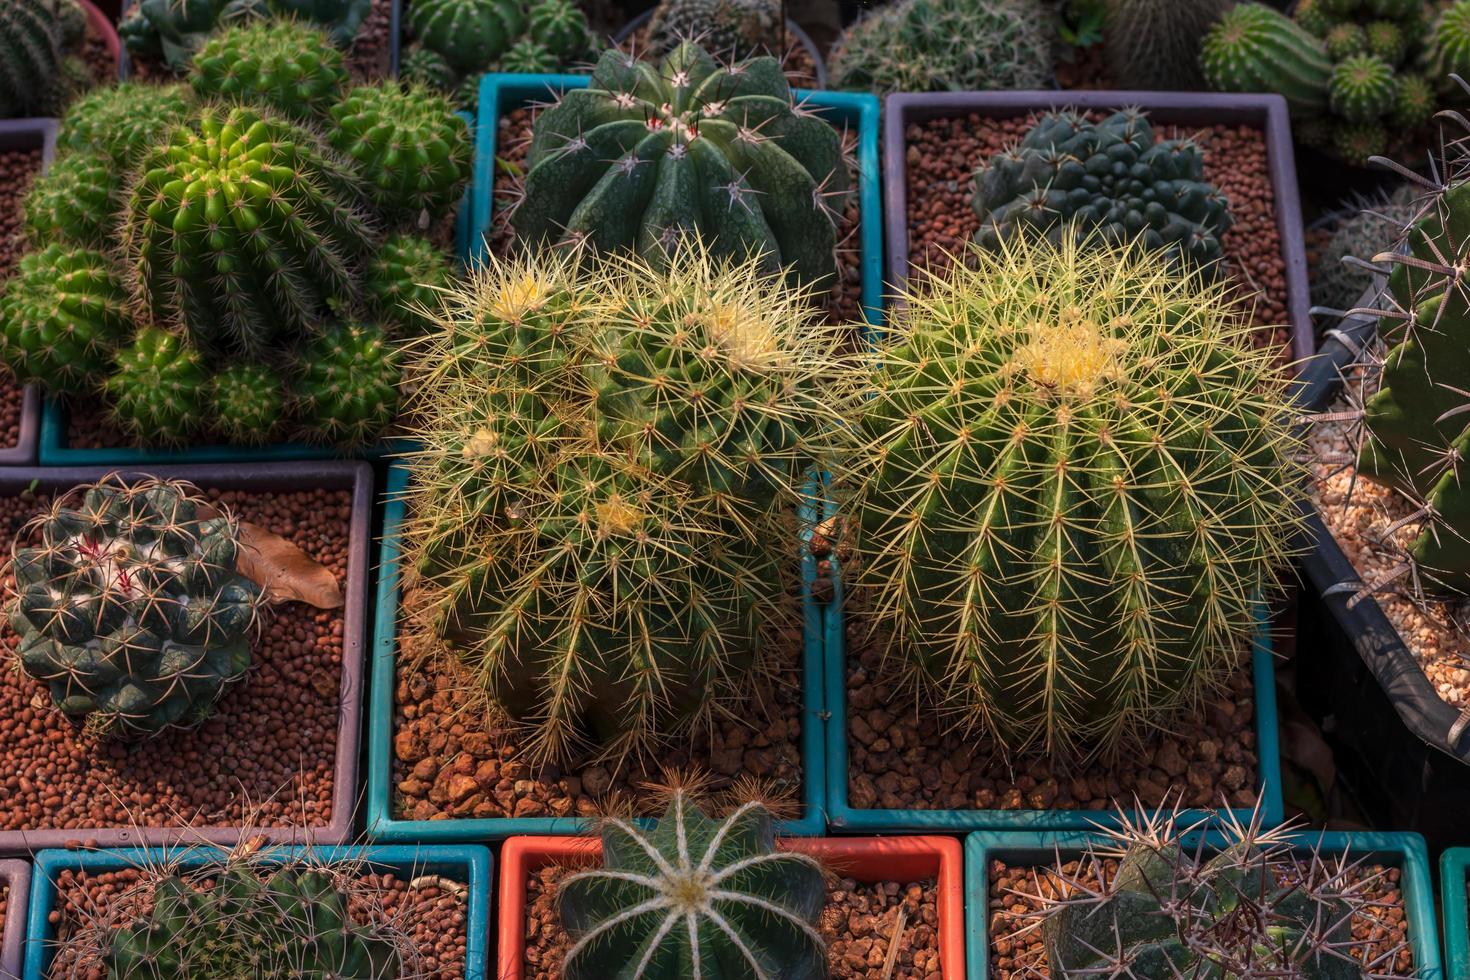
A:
x: 412, y: 150
x: 130, y: 606
x: 288, y: 67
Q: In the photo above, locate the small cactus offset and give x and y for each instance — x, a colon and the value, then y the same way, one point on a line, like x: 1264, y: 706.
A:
x: 1363, y: 88
x: 403, y: 280
x: 468, y: 34
x: 649, y: 154
x: 1254, y: 48
x: 1346, y: 40
x: 124, y: 121
x: 247, y: 403
x: 695, y: 898
x: 732, y: 29
x: 73, y: 202
x: 347, y: 392
x: 1109, y: 181
x: 288, y: 67
x: 421, y: 66
x: 159, y: 391
x: 1044, y: 419
x: 1154, y: 44
x: 130, y: 606
x: 560, y: 27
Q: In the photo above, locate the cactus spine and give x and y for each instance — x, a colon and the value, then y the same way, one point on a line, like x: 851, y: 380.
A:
x: 1256, y: 49
x: 1154, y: 44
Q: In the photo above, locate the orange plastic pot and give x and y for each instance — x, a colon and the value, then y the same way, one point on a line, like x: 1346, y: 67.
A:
x: 862, y: 858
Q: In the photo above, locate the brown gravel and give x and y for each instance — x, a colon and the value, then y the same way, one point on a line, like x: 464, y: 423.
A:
x: 857, y: 923
x: 1358, y: 513
x: 901, y: 757
x: 267, y: 753
x: 943, y: 155
x: 17, y: 167
x: 370, y: 56
x: 435, y: 917
x: 800, y: 68
x: 1016, y: 952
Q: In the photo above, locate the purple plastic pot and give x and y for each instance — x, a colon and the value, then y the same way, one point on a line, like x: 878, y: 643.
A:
x: 27, y: 134
x: 260, y: 477
x: 16, y: 876
x: 1177, y: 108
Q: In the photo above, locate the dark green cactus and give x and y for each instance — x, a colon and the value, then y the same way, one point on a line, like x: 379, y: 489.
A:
x: 1386, y: 40
x: 1363, y: 88
x: 1373, y: 227
x: 1346, y: 40
x: 1154, y: 44
x: 1451, y: 44
x: 1109, y: 180
x: 695, y: 898
x: 1357, y: 143
x: 130, y: 606
x: 124, y: 121
x: 173, y: 30
x: 241, y: 276
x: 74, y: 202
x: 32, y: 47
x: 424, y: 67
x: 732, y: 29
x: 1254, y: 48
x: 526, y: 57
x: 159, y: 391
x: 1414, y: 104
x: 287, y: 67
x: 404, y: 278
x: 347, y: 391
x: 247, y: 403
x: 648, y: 154
x: 1312, y: 16
x: 411, y: 147
x: 469, y: 34
x: 62, y: 315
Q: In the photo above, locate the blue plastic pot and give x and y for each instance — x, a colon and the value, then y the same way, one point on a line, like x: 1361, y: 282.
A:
x: 383, y: 825
x: 1453, y: 865
x: 1021, y: 848
x: 467, y: 864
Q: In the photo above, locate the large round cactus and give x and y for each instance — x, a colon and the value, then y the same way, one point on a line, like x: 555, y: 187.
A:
x: 695, y: 898
x: 648, y: 154
x: 1110, y: 181
x: 243, y: 229
x: 130, y: 606
x: 469, y: 34
x: 123, y: 121
x: 288, y: 67
x: 411, y: 148
x: 1254, y: 48
x: 1074, y: 481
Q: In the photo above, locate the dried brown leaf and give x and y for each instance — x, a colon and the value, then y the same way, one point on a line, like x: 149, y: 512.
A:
x: 283, y: 571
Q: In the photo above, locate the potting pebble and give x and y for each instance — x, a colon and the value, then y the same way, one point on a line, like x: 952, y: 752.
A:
x: 432, y: 912
x: 858, y: 924
x: 1359, y: 513
x: 901, y: 756
x: 370, y: 55
x: 1016, y: 951
x: 17, y: 168
x: 942, y: 155
x: 265, y: 756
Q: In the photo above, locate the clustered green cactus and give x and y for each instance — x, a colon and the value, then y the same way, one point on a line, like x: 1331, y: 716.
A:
x: 1109, y: 181
x: 944, y: 45
x: 130, y: 606
x: 172, y: 31
x: 695, y: 897
x: 649, y: 153
x: 731, y: 29
x: 186, y: 250
x: 1155, y: 44
x: 39, y: 67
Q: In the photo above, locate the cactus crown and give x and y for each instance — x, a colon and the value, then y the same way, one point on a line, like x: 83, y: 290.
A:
x: 696, y: 898
x: 1074, y: 483
x: 130, y: 605
x: 410, y: 147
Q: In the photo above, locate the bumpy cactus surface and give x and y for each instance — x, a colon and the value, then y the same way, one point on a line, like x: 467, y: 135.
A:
x: 348, y: 389
x: 62, y: 315
x: 424, y: 67
x: 944, y: 45
x: 1362, y: 88
x: 1451, y: 44
x: 467, y: 33
x: 412, y: 150
x: 695, y: 898
x: 560, y: 27
x: 247, y: 403
x: 734, y: 29
x: 1154, y: 44
x: 1254, y: 48
x: 173, y: 30
x: 1075, y: 480
x: 73, y: 202
x: 30, y: 56
x: 159, y: 389
x: 130, y: 606
x: 124, y: 121
x: 1110, y: 181
x: 649, y: 154
x: 241, y: 228
x: 403, y: 280
x: 287, y: 67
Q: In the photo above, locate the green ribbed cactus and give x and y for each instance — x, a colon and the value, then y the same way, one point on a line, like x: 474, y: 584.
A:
x: 1256, y: 49
x: 1312, y: 15
x: 173, y: 30
x: 124, y: 121
x: 944, y: 45
x: 1074, y: 481
x: 73, y: 202
x: 1386, y: 40
x: 1362, y: 88
x: 526, y: 57
x: 1346, y: 40
x: 1373, y: 227
x: 1110, y: 181
x: 421, y: 66
x: 1154, y: 44
x: 649, y: 154
x: 1450, y: 46
x: 1414, y: 103
x: 403, y: 278
x: 732, y: 29
x: 246, y: 403
x: 32, y: 47
x: 62, y: 315
x: 695, y: 898
x: 159, y: 391
x: 347, y: 391
x: 1357, y: 143
x: 412, y: 150
x: 130, y: 606
x: 561, y: 28
x: 469, y: 34
x: 291, y: 244
x: 287, y: 67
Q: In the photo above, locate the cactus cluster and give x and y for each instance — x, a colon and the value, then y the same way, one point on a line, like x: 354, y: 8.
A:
x: 651, y: 153
x: 130, y: 606
x: 194, y: 240
x: 695, y: 897
x: 173, y: 31
x: 39, y: 65
x: 1155, y: 44
x: 944, y: 45
x: 1109, y: 181
x: 1072, y: 484
x: 731, y: 29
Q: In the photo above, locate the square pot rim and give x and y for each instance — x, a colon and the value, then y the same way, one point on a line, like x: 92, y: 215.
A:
x: 262, y: 477
x: 384, y: 826
x: 859, y: 110
x: 1454, y: 870
x: 521, y: 855
x: 1407, y: 850
x: 1266, y: 109
x: 475, y: 861
x: 17, y: 876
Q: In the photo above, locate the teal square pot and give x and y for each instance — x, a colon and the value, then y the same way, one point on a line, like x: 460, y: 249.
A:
x: 467, y: 864
x: 1453, y: 865
x: 1403, y: 851
x: 383, y: 825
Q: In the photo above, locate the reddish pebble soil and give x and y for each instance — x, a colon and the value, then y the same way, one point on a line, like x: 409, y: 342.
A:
x: 265, y: 757
x: 943, y: 155
x: 1016, y: 951
x: 858, y: 924
x: 433, y: 917
x: 17, y: 167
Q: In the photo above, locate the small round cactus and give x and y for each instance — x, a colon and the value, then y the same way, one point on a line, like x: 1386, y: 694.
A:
x: 469, y: 34
x: 1346, y: 40
x: 1311, y: 16
x: 1357, y: 143
x: 1386, y: 40
x: 424, y: 67
x: 347, y: 391
x: 247, y: 403
x: 62, y: 315
x: 1362, y: 89
x: 288, y: 67
x: 159, y: 392
x: 404, y: 278
x: 1451, y: 43
x: 130, y: 606
x: 412, y: 149
x: 73, y: 202
x: 1414, y: 104
x: 527, y: 57
x: 124, y: 121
